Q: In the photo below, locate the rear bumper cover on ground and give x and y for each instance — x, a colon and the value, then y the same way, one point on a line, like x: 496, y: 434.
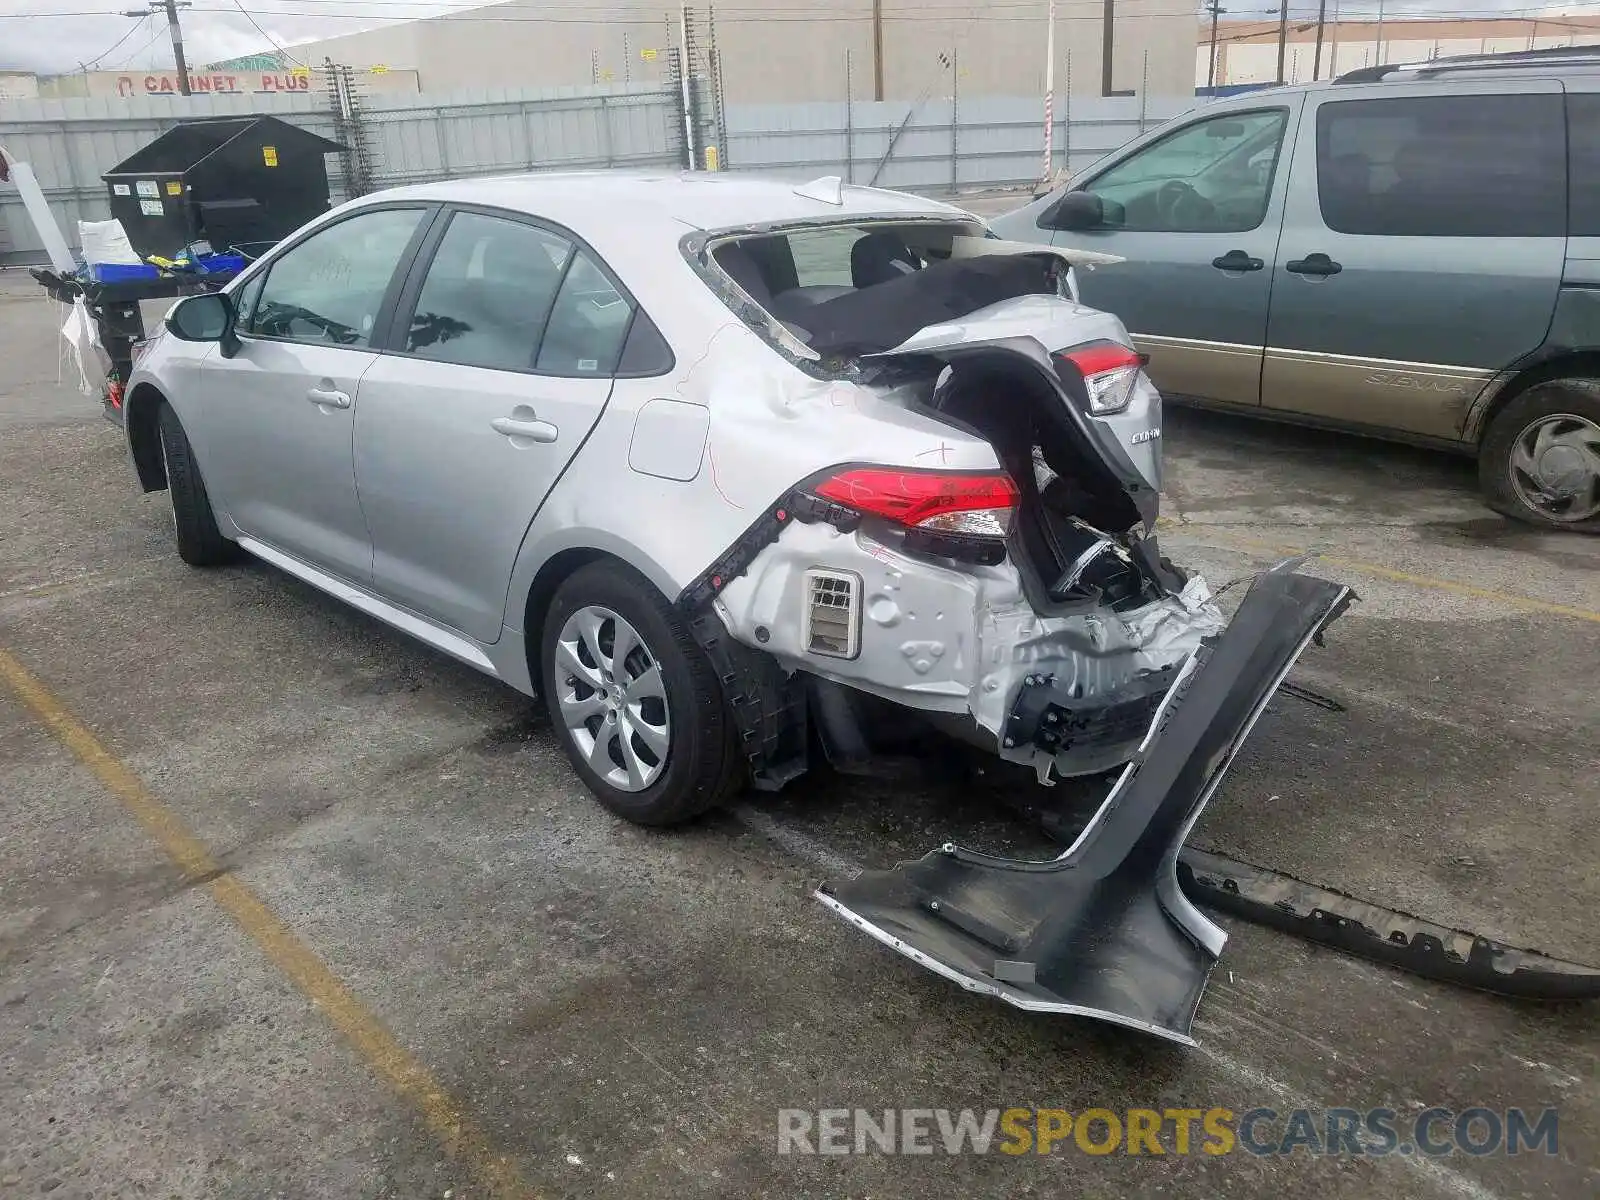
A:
x: 1104, y: 930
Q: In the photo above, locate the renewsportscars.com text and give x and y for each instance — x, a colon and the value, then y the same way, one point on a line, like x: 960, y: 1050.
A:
x: 1375, y: 1132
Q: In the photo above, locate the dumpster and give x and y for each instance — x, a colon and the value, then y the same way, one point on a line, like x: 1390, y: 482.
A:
x: 240, y: 183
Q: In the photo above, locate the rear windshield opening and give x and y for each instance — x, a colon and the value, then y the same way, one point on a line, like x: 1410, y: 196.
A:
x: 816, y: 281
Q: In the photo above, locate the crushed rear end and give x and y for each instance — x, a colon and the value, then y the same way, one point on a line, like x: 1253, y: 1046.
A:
x: 1024, y: 606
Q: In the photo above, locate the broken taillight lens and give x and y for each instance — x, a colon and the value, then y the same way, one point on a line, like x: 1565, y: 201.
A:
x: 1110, y: 371
x: 970, y: 505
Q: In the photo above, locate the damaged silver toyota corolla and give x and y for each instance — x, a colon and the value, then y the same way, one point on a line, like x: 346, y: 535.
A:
x: 726, y: 469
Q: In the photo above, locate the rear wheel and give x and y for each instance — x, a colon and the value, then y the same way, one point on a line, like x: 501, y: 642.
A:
x: 1540, y: 461
x: 634, y: 700
x: 200, y: 542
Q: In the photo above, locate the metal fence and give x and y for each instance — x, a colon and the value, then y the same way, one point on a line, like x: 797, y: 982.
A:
x: 933, y: 146
x: 939, y: 145
x: 410, y: 139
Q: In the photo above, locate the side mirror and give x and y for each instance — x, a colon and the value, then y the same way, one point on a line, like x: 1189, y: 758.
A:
x: 1074, y: 210
x: 204, y: 318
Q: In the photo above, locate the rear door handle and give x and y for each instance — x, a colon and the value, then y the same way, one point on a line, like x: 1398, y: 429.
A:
x: 328, y: 397
x: 1237, y: 260
x: 525, y: 429
x: 1313, y: 264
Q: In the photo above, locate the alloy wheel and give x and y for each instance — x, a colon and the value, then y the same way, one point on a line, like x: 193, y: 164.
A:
x: 613, y: 699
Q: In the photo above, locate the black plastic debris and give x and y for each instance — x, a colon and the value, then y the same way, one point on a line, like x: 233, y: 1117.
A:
x: 1104, y: 930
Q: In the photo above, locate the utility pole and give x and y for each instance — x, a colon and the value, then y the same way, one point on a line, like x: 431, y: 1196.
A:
x: 1049, y: 95
x: 1333, y: 44
x: 1283, y: 36
x: 1211, y: 71
x: 1107, y: 33
x: 1316, y: 55
x: 877, y: 49
x: 169, y: 8
x: 688, y: 86
x: 1380, y: 33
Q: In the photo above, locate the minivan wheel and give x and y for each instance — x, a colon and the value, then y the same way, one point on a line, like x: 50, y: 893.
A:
x: 1540, y: 461
x: 200, y: 542
x: 634, y: 700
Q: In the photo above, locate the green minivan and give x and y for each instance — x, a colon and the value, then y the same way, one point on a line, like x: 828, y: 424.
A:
x: 1408, y: 251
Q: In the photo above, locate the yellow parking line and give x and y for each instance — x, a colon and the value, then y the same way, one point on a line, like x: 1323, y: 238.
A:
x: 1231, y: 541
x: 359, y: 1024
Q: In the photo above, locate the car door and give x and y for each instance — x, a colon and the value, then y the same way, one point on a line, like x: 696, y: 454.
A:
x: 505, y: 341
x: 1422, y: 250
x: 1196, y: 214
x: 280, y: 411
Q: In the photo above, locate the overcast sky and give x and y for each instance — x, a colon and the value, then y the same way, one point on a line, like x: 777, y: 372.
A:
x: 51, y: 36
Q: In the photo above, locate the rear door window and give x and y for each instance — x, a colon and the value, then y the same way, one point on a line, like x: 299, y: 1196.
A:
x: 1583, y: 140
x: 588, y: 324
x: 1443, y: 166
x: 488, y: 293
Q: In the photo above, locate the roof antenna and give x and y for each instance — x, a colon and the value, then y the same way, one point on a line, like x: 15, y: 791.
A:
x: 829, y: 189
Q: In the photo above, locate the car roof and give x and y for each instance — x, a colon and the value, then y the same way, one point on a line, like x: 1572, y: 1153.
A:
x: 678, y: 200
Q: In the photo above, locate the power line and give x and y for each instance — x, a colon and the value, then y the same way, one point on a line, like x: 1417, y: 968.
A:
x: 272, y: 41
x: 636, y: 16
x: 132, y: 29
x: 641, y: 16
x: 151, y: 41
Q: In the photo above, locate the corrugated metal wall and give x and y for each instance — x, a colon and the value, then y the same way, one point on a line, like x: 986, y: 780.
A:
x: 937, y: 146
x: 942, y: 145
x: 71, y: 143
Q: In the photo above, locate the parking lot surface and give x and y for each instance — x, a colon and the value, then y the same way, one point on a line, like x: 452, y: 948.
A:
x: 292, y: 906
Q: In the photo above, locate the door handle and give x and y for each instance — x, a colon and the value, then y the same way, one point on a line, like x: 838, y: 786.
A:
x: 1237, y: 260
x: 1313, y: 264
x: 528, y: 428
x: 328, y: 397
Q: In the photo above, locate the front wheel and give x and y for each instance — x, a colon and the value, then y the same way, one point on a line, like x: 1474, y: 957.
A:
x: 634, y: 700
x: 200, y: 542
x: 1540, y: 461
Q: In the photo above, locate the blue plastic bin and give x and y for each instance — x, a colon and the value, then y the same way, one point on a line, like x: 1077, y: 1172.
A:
x: 121, y: 272
x: 212, y: 264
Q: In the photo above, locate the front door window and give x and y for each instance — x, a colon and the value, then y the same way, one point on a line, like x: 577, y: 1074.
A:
x: 1214, y: 176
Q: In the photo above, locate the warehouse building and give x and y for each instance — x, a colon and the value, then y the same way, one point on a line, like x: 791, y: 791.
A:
x: 785, y: 51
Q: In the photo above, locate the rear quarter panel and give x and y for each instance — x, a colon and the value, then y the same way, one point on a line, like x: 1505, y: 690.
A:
x: 770, y: 427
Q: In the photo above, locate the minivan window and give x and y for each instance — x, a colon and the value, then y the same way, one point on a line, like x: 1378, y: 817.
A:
x: 329, y: 287
x: 1583, y: 141
x: 1214, y: 176
x: 488, y: 293
x: 1443, y: 166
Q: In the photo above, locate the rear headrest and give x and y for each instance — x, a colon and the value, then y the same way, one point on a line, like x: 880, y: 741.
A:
x: 879, y: 257
x: 735, y: 260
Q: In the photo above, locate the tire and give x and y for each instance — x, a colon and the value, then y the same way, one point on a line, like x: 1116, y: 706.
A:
x: 1557, y: 487
x: 679, y: 709
x: 200, y: 542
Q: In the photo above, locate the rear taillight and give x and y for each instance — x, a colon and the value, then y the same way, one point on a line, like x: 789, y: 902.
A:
x: 1109, y: 371
x: 964, y: 505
